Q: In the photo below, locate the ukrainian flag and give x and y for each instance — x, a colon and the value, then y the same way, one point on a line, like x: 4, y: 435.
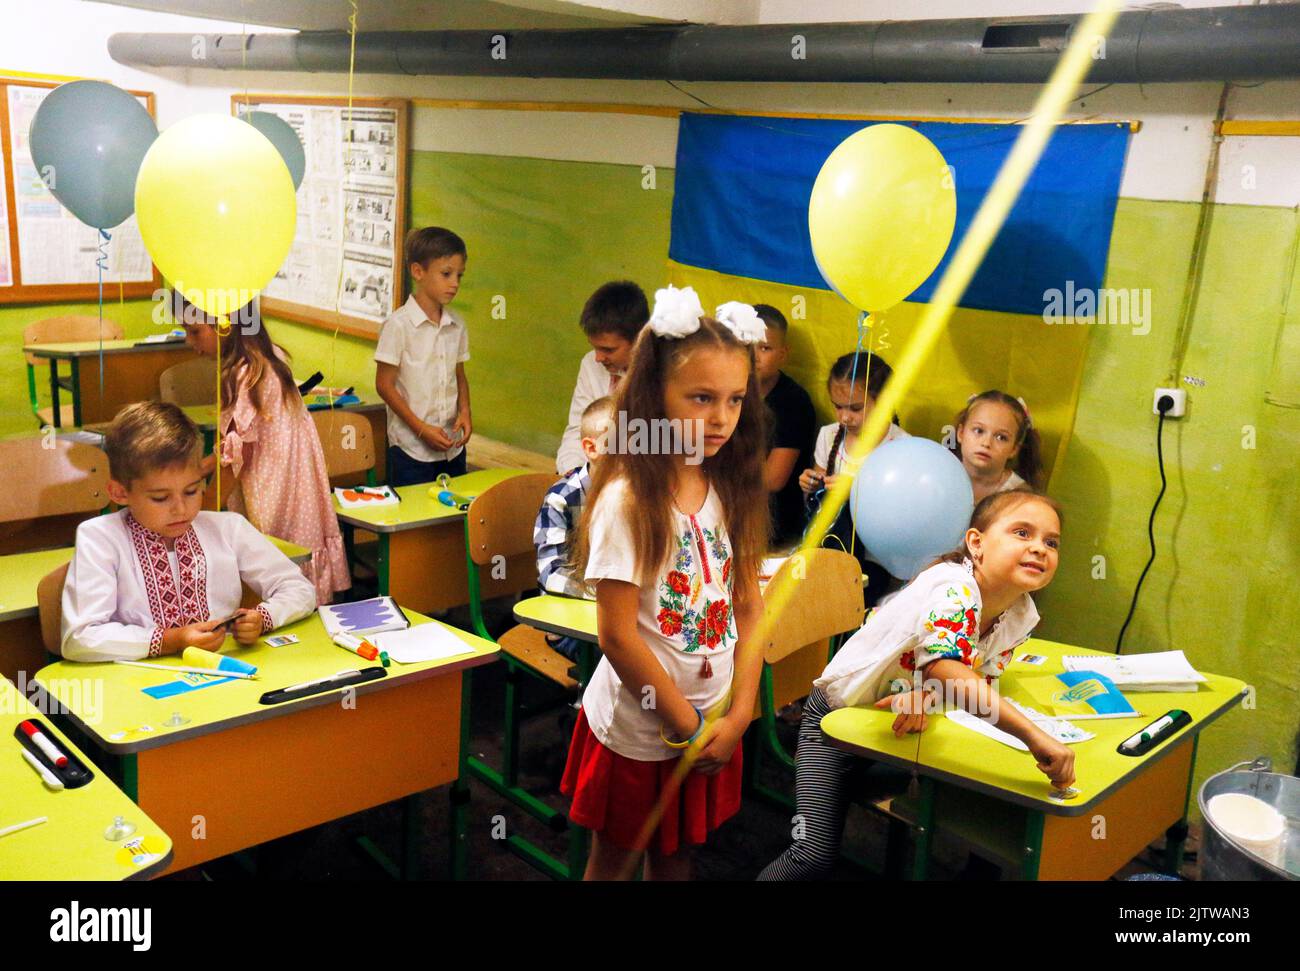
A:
x: 740, y: 232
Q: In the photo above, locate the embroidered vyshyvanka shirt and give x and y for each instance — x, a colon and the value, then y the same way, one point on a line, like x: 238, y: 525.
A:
x: 125, y: 588
x: 685, y: 617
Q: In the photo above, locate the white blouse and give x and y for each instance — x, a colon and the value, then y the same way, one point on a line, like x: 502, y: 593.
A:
x: 125, y: 588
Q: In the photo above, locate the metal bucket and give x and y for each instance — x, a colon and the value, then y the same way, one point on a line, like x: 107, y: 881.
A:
x: 1224, y: 859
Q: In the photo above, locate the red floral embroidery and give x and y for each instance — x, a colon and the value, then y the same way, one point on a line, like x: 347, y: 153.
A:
x: 726, y: 571
x: 970, y: 621
x: 670, y: 622
x: 265, y: 614
x: 679, y: 582
x: 704, y: 555
x: 907, y: 662
x: 168, y: 606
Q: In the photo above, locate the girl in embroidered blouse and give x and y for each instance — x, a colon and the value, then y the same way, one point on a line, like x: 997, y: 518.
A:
x: 998, y: 444
x: 671, y: 539
x: 948, y: 635
x: 269, y: 443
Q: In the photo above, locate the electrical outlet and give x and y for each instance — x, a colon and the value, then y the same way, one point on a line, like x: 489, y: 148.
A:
x: 1180, y: 402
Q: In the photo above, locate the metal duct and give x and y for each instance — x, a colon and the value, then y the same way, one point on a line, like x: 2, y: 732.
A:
x: 1206, y: 44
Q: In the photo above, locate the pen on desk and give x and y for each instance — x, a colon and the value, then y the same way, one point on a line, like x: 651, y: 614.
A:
x: 175, y: 668
x: 318, y: 681
x: 19, y: 827
x: 51, y: 780
x: 43, y: 743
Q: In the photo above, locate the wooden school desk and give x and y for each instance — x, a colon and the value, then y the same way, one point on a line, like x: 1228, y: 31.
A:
x: 247, y: 772
x: 71, y: 844
x: 20, y: 629
x: 566, y: 616
x: 422, y: 543
x: 131, y: 370
x: 994, y: 796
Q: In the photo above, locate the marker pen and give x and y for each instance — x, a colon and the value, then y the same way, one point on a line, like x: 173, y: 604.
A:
x: 44, y: 744
x: 51, y: 780
x: 357, y: 646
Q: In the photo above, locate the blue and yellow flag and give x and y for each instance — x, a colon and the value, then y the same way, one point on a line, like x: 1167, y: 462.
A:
x: 740, y: 232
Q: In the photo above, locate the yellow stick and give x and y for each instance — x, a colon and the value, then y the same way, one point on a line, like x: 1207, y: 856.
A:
x: 1033, y: 137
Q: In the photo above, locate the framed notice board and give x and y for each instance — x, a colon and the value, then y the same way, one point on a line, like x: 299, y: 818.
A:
x: 46, y: 253
x: 345, y: 268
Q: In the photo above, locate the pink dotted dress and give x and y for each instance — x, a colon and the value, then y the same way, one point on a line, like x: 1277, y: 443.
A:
x: 282, y: 486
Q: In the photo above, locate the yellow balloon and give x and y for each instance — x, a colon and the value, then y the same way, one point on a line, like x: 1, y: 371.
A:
x: 881, y: 215
x: 217, y: 210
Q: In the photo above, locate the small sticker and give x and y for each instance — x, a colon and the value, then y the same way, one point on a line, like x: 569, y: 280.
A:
x: 117, y: 736
x: 280, y: 640
x: 1031, y: 659
x: 141, y: 851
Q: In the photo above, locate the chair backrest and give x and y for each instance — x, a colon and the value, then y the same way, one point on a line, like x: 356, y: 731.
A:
x: 192, y: 382
x: 42, y: 476
x: 347, y: 440
x: 49, y: 602
x: 69, y: 329
x: 500, y: 520
x: 827, y: 600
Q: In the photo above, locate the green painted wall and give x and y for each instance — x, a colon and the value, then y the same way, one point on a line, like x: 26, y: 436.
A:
x: 544, y: 234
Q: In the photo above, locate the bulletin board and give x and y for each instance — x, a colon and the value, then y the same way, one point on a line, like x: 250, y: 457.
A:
x: 345, y: 268
x: 46, y: 253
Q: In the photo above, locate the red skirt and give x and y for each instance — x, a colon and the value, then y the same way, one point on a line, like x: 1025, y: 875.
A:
x: 614, y: 795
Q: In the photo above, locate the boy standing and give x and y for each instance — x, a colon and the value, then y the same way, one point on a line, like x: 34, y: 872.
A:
x: 791, y: 430
x: 420, y: 364
x: 160, y: 575
x: 612, y: 318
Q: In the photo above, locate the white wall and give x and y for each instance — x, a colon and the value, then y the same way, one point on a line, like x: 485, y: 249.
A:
x: 1166, y: 161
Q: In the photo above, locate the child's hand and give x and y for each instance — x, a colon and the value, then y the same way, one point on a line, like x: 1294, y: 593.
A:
x: 1055, y: 760
x: 202, y: 635
x: 910, y: 706
x: 719, y: 743
x: 435, y: 437
x: 810, y: 480
x: 248, y: 627
x: 463, y: 428
x: 829, y: 481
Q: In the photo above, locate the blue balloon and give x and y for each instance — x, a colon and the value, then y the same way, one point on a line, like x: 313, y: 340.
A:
x: 87, y: 140
x: 911, y: 502
x: 286, y: 141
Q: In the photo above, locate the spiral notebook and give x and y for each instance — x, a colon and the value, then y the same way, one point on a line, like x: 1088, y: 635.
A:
x: 1162, y: 671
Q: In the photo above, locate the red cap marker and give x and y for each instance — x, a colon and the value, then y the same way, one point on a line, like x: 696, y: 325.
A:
x: 44, y: 744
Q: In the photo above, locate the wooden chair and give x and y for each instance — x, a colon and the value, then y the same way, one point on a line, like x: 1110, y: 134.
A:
x: 499, y: 530
x: 47, y: 486
x: 49, y: 603
x: 71, y: 329
x: 189, y: 383
x: 826, y: 602
x: 349, y: 445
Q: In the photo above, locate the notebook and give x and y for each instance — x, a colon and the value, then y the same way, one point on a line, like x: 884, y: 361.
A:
x: 428, y: 642
x: 364, y: 617
x: 1162, y: 671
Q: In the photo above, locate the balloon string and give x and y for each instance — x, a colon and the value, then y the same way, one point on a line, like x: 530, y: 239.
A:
x: 347, y: 161
x: 101, y: 262
x: 863, y: 331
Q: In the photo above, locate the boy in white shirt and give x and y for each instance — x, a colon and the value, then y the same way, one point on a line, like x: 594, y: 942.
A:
x: 420, y: 365
x: 160, y: 575
x: 611, y: 318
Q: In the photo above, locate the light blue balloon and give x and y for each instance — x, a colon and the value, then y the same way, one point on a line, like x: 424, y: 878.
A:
x: 911, y: 502
x: 87, y: 141
x: 286, y: 141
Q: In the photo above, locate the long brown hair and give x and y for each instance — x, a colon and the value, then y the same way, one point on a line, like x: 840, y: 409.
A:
x: 1028, y: 462
x: 735, y: 472
x: 992, y: 508
x: 245, y: 344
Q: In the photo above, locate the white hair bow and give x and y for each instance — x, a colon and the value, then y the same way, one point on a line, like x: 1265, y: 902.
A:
x: 743, y: 321
x: 677, y: 313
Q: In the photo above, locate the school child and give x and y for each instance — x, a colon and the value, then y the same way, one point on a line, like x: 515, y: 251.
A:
x: 420, y: 365
x: 854, y: 384
x: 998, y: 444
x: 160, y: 575
x: 611, y: 318
x: 949, y: 634
x: 269, y: 442
x: 557, y: 520
x: 671, y: 539
x: 792, y: 423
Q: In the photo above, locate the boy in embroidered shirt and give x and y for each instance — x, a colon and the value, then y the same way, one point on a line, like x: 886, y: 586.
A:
x: 420, y: 365
x: 160, y: 575
x: 558, y: 519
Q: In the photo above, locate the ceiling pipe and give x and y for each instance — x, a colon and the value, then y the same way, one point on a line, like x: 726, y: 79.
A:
x: 1145, y: 46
